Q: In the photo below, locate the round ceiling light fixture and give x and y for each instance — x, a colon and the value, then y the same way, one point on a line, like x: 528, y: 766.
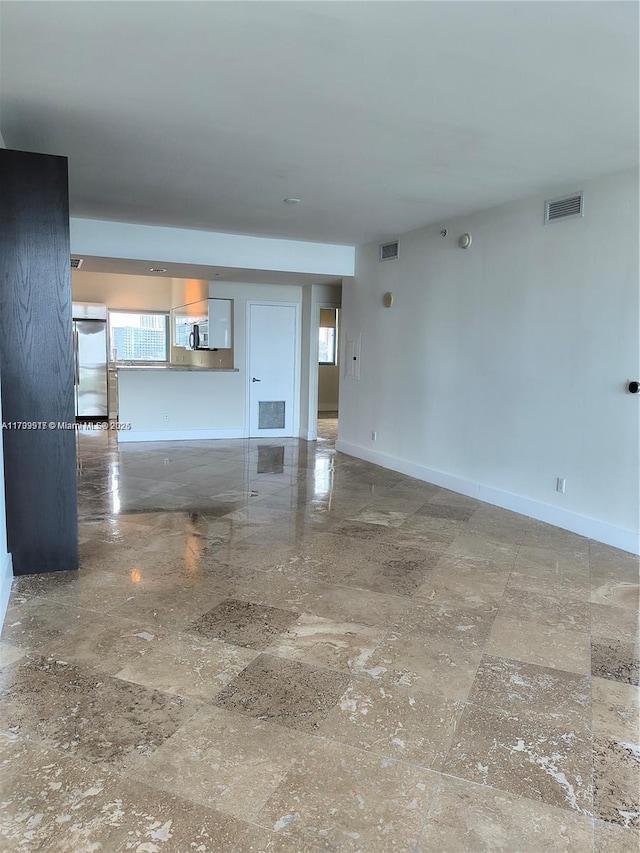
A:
x: 464, y: 241
x: 291, y: 201
x: 157, y: 269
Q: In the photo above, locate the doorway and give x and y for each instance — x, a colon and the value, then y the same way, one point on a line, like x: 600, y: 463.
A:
x: 273, y: 369
x: 328, y: 373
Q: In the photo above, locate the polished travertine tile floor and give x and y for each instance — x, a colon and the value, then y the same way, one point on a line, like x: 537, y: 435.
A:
x: 274, y: 647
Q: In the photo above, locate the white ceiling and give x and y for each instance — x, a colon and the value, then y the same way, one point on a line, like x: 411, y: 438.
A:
x: 380, y: 116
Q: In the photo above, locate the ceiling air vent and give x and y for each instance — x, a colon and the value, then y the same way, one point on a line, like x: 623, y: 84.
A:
x: 389, y: 251
x: 76, y: 263
x: 564, y: 208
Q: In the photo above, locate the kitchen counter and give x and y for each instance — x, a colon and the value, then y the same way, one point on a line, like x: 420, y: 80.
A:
x: 173, y: 367
x: 180, y: 402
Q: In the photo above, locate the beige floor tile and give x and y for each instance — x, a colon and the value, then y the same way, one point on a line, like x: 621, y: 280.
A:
x: 560, y: 561
x: 10, y: 653
x: 382, y: 517
x: 105, y: 643
x: 425, y: 664
x: 468, y: 627
x: 327, y: 643
x: 39, y: 787
x: 374, y: 566
x: 616, y: 710
x: 373, y: 803
x: 187, y: 666
x: 606, y: 561
x: 286, y: 692
x: 54, y: 803
x: 260, y: 840
x: 38, y: 622
x: 466, y: 818
x: 561, y: 700
x: 548, y: 582
x: 461, y: 582
x: 618, y: 623
x: 544, y: 645
x: 523, y: 757
x: 224, y: 761
x: 616, y: 775
x: 612, y: 838
x: 527, y: 606
x: 430, y: 530
x: 616, y: 593
x: 448, y: 498
x: 477, y: 546
x: 394, y: 721
x: 544, y: 535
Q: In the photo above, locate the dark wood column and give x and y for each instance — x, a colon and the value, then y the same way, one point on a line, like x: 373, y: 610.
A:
x: 36, y: 363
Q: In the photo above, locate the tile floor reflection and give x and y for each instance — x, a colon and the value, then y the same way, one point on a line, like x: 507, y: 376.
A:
x: 271, y: 646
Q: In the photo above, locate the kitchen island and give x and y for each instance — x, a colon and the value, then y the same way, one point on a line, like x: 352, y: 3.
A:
x: 180, y: 402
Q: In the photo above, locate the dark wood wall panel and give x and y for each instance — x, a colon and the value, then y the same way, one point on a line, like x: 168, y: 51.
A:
x: 36, y: 362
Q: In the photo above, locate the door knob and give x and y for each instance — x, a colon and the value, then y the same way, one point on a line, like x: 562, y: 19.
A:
x: 255, y: 380
x: 633, y: 387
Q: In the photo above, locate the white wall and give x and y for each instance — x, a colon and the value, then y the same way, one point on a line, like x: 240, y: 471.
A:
x: 502, y: 367
x: 209, y: 248
x: 135, y: 292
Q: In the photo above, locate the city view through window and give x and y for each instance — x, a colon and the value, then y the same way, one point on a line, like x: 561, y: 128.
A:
x: 137, y: 337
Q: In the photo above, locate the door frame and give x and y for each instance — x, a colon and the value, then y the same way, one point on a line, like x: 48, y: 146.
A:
x: 296, y: 365
x: 314, y: 367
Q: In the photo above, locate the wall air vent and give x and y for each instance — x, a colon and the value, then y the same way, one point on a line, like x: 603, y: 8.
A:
x: 564, y: 208
x: 389, y: 251
x: 76, y: 263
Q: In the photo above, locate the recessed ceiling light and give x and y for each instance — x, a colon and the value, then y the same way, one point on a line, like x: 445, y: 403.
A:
x: 157, y: 269
x: 292, y: 201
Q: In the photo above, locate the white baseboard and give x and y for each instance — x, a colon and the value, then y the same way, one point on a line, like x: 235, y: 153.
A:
x: 6, y: 577
x: 180, y: 434
x: 617, y: 537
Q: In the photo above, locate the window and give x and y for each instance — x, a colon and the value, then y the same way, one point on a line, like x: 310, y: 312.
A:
x: 327, y: 340
x: 138, y: 337
x: 327, y: 350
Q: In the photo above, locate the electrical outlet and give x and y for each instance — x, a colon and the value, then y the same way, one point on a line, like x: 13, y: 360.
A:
x: 374, y: 435
x: 165, y: 417
x: 561, y: 485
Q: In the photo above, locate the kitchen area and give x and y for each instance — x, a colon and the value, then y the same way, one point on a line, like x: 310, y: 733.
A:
x: 125, y: 325
x: 177, y: 361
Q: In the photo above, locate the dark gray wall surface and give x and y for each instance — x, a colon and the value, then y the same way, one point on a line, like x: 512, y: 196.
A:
x: 36, y: 362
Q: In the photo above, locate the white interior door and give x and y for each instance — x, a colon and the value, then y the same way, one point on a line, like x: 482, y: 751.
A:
x: 272, y: 370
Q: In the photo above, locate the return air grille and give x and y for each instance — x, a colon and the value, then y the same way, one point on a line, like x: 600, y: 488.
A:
x: 76, y: 263
x: 564, y: 208
x: 389, y: 251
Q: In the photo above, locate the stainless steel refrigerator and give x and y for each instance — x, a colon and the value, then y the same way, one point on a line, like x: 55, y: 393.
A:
x: 90, y: 373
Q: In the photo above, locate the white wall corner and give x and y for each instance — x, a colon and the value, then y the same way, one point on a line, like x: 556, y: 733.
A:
x: 6, y: 578
x: 592, y: 528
